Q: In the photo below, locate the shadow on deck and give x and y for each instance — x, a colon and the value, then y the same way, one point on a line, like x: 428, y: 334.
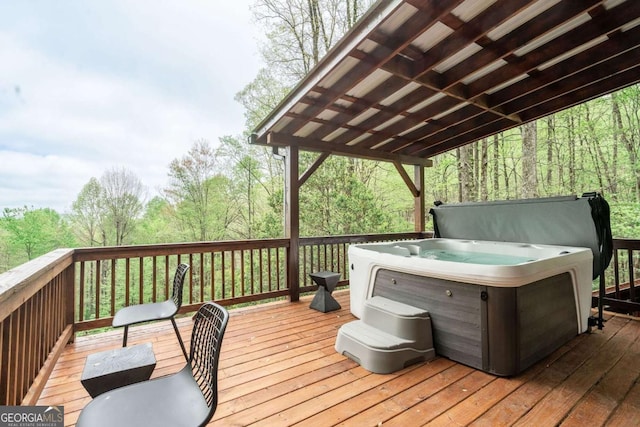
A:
x: 278, y: 367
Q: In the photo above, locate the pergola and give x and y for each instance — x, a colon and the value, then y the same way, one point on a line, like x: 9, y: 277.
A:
x: 416, y: 78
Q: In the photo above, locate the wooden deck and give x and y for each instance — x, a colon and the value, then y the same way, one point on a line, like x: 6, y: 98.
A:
x: 278, y: 367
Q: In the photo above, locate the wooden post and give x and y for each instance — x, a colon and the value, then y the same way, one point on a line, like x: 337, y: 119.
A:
x: 70, y: 298
x: 292, y: 221
x: 419, y: 199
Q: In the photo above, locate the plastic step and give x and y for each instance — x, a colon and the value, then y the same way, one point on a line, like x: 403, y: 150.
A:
x: 400, y: 320
x: 378, y: 351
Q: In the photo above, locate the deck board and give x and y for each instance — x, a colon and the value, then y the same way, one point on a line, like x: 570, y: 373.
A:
x: 278, y: 367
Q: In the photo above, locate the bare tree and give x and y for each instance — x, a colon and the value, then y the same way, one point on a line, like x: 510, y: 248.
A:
x: 300, y: 32
x: 123, y: 195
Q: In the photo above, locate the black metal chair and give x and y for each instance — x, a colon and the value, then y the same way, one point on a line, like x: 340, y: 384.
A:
x: 155, y: 311
x: 186, y: 398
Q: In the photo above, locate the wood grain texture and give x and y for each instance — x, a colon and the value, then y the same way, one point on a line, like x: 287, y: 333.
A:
x: 278, y: 367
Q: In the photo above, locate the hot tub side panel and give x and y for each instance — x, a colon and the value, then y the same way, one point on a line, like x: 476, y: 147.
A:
x: 500, y: 330
x: 547, y: 317
x: 455, y: 310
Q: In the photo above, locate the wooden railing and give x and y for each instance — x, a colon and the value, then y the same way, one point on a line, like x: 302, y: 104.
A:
x: 36, y: 322
x: 231, y: 272
x: 44, y: 302
x: 624, y: 294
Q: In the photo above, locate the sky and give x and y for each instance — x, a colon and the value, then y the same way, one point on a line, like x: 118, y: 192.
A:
x: 88, y: 86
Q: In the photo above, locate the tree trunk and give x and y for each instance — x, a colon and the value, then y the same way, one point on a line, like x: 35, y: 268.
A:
x: 484, y: 164
x: 632, y: 149
x: 496, y: 165
x: 551, y: 135
x: 465, y: 172
x: 529, y: 133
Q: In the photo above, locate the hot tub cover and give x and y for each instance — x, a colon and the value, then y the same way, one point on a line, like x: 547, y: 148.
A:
x: 565, y: 221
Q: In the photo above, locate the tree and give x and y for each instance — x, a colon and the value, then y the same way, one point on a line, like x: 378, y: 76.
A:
x: 247, y: 184
x: 337, y: 200
x: 36, y: 231
x: 300, y: 32
x: 200, y: 195
x: 628, y: 101
x: 87, y: 214
x: 122, y: 193
x: 466, y: 177
x: 156, y: 223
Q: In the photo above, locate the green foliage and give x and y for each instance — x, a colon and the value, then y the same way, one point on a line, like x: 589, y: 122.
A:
x: 87, y: 213
x: 34, y: 232
x: 625, y: 220
x: 156, y: 224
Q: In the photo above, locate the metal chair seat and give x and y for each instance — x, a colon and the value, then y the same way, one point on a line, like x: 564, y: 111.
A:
x: 186, y: 398
x: 145, y: 313
x: 155, y: 311
x: 170, y: 401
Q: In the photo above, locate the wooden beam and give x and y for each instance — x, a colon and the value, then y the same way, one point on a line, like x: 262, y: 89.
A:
x: 407, y: 179
x: 307, y: 174
x: 312, y: 144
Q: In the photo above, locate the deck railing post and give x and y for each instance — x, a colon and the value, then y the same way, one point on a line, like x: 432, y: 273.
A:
x: 70, y: 298
x: 292, y: 221
x: 419, y: 200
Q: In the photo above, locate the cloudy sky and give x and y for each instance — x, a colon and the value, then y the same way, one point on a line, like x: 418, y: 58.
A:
x: 87, y: 86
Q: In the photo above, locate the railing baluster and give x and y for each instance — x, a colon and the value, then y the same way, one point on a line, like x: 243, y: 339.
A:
x: 632, y: 285
x: 97, y: 290
x: 201, y: 281
x: 141, y: 280
x: 223, y: 271
x: 213, y: 276
x: 154, y: 284
x: 252, y: 278
x: 278, y: 269
x: 166, y: 277
x: 81, y: 294
x: 127, y: 282
x: 113, y: 287
x: 242, y: 278
x: 233, y: 273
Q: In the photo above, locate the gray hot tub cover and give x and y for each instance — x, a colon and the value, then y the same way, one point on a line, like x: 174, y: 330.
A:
x: 566, y: 221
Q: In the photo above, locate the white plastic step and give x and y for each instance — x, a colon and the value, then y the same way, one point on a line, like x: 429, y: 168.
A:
x: 395, y: 307
x: 400, y: 320
x: 378, y: 351
x: 373, y: 337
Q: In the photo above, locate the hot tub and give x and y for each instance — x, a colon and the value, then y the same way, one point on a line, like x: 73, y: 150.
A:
x: 495, y: 306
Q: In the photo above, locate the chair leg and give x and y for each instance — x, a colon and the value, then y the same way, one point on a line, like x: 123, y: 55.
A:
x: 124, y: 338
x: 175, y: 328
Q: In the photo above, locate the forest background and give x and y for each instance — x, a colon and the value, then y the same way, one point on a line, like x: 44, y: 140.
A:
x: 228, y: 189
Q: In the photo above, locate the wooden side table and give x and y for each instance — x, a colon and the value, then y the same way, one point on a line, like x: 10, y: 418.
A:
x: 326, y: 281
x: 111, y: 369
